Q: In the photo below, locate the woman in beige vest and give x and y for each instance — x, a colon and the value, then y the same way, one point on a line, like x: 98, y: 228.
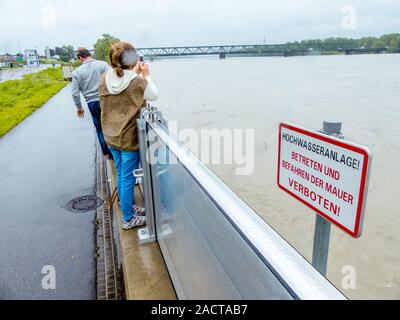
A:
x: 123, y: 91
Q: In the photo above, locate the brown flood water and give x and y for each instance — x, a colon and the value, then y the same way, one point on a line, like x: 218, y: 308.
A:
x: 259, y: 93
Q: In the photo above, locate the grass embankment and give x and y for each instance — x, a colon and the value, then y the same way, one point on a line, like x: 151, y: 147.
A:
x: 20, y: 98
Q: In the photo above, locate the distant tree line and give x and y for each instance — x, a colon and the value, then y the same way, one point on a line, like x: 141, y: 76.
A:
x: 389, y: 41
x: 66, y: 53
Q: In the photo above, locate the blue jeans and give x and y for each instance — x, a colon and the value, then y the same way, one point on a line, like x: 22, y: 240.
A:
x: 125, y: 164
x: 94, y: 108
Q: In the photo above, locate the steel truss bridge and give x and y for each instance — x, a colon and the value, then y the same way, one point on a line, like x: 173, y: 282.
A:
x: 279, y: 49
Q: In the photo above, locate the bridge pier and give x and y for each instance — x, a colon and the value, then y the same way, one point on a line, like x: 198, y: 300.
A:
x: 222, y: 56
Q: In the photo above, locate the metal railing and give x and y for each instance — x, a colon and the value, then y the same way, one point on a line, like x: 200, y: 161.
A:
x: 214, y: 245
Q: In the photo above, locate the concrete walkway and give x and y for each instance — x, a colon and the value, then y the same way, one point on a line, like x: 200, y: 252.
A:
x: 45, y: 162
x: 145, y: 274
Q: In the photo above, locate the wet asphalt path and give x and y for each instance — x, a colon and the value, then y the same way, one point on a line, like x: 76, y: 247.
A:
x: 45, y: 162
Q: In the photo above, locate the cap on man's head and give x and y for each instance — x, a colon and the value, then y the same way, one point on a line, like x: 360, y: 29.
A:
x: 83, y: 53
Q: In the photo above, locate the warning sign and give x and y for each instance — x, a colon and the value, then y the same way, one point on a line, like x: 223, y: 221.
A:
x: 327, y: 174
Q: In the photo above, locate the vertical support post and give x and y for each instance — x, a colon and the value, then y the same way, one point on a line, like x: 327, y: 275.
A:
x: 323, y: 227
x: 321, y: 244
x: 148, y: 234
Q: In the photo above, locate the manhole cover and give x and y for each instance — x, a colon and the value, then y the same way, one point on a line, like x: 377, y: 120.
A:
x: 84, y: 204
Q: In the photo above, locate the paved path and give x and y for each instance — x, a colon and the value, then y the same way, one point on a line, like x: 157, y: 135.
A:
x: 44, y: 163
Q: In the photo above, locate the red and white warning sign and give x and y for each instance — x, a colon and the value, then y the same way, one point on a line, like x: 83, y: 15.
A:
x: 327, y: 174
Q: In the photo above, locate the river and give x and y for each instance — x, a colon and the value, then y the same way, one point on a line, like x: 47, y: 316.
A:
x: 259, y: 93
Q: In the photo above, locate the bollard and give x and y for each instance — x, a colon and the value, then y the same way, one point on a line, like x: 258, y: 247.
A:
x: 323, y: 227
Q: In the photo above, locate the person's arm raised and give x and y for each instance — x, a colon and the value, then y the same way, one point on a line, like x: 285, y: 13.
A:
x: 151, y: 92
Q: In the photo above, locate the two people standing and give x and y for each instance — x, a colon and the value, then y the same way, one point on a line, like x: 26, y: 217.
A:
x: 122, y: 91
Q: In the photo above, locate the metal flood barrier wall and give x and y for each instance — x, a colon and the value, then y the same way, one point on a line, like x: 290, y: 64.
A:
x: 214, y: 245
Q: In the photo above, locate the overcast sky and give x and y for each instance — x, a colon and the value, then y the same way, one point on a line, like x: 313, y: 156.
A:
x: 149, y: 23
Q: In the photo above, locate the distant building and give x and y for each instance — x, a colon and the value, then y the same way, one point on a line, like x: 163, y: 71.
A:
x: 7, y: 60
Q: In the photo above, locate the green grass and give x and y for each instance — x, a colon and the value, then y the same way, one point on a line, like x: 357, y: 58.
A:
x: 20, y: 98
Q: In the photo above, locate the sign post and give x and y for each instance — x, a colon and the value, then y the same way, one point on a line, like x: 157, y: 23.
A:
x: 327, y: 174
x: 321, y: 244
x: 322, y: 231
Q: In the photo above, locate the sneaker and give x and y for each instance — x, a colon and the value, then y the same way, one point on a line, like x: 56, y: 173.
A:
x: 139, y: 211
x: 134, y: 223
